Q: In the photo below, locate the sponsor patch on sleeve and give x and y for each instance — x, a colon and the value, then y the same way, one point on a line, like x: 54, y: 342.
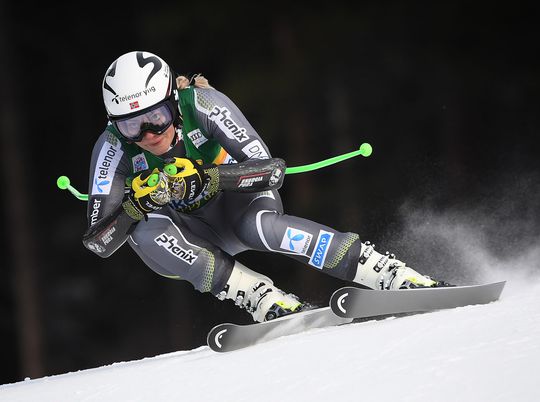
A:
x: 250, y: 180
x: 106, y: 165
x: 255, y: 150
x: 197, y: 138
x: 139, y: 163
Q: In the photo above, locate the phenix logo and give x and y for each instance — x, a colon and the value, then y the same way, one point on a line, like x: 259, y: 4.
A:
x: 171, y: 245
x: 220, y: 115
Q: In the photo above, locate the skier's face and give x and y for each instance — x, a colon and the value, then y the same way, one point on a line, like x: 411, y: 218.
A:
x: 157, y: 144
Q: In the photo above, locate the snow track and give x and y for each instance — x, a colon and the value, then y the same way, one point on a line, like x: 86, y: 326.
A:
x: 474, y: 353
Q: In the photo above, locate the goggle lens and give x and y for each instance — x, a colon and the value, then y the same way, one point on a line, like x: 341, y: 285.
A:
x: 156, y: 121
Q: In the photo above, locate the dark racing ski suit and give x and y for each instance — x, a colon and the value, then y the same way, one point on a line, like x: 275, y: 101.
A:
x: 197, y: 242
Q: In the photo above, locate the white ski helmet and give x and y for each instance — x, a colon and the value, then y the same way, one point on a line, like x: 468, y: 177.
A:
x: 135, y: 82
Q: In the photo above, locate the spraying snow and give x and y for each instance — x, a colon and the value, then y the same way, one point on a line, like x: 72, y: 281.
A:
x: 494, y: 238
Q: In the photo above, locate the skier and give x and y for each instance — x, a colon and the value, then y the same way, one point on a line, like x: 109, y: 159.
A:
x: 183, y: 177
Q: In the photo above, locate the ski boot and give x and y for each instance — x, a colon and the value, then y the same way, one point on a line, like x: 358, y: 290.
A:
x: 258, y: 295
x: 385, y: 272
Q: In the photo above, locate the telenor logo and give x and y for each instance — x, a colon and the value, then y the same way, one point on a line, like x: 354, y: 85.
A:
x: 106, y: 165
x: 296, y: 240
x: 292, y: 238
x: 98, y: 184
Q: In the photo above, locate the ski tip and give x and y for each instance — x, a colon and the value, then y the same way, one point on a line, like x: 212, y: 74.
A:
x: 219, y: 336
x: 215, y: 338
x: 339, y: 301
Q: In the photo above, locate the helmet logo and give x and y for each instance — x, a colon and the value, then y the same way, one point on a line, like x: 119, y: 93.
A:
x: 110, y: 73
x: 115, y: 99
x: 151, y: 59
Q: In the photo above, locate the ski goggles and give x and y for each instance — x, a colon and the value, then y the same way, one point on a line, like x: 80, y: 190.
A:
x: 155, y: 120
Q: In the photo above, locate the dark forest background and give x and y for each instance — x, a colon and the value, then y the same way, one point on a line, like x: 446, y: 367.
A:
x: 446, y: 92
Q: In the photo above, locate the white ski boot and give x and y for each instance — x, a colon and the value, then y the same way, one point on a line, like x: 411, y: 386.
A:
x: 258, y: 295
x: 385, y: 272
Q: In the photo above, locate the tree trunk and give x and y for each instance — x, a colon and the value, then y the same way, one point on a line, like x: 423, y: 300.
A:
x: 18, y: 221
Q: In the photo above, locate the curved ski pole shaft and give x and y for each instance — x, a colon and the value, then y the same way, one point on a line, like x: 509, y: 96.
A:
x: 364, y: 150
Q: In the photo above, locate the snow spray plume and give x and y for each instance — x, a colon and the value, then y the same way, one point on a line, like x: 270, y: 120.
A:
x: 497, y: 240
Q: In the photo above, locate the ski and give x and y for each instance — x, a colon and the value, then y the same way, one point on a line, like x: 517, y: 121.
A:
x: 228, y: 337
x: 352, y: 302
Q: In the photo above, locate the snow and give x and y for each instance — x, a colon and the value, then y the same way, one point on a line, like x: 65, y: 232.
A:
x: 474, y: 353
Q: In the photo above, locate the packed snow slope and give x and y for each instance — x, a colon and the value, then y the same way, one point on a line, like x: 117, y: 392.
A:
x: 475, y: 353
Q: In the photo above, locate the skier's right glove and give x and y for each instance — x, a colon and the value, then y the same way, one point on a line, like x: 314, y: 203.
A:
x: 188, y: 179
x: 149, y: 192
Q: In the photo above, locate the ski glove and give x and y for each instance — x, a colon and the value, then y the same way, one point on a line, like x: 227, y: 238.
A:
x: 188, y: 179
x: 149, y: 192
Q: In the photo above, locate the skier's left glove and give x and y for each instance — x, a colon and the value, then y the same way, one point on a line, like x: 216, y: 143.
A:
x: 149, y: 192
x: 188, y: 179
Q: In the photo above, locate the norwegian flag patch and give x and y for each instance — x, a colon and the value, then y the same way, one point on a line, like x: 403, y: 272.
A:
x: 134, y: 105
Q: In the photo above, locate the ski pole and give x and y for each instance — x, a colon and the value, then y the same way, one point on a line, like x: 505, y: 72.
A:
x: 365, y: 150
x: 63, y: 183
